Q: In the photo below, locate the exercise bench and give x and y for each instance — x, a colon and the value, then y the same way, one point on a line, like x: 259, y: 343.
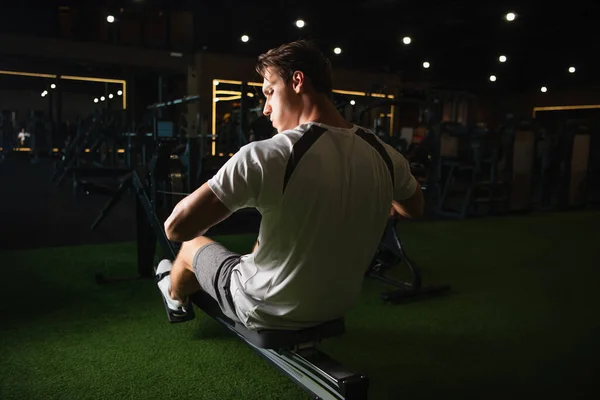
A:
x: 295, y: 353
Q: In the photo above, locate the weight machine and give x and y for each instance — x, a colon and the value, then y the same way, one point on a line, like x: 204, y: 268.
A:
x: 166, y: 149
x: 91, y: 159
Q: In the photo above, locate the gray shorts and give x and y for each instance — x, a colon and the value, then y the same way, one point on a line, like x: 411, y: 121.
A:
x: 213, y: 265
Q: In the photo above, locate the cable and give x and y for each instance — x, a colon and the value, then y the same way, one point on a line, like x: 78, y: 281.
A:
x: 173, y: 193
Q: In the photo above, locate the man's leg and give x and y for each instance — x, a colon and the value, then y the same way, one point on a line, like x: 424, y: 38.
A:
x: 176, y: 280
x: 183, y: 278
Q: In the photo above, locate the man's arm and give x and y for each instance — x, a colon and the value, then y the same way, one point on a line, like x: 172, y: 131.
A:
x: 413, y: 207
x: 195, y: 214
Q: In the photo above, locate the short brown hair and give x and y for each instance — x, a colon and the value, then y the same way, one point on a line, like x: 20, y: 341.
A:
x: 301, y: 55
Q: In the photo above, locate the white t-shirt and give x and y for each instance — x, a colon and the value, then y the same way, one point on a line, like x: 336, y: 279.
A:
x: 325, y: 195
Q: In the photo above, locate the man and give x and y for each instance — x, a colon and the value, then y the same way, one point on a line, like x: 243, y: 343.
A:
x: 324, y: 188
x: 22, y: 136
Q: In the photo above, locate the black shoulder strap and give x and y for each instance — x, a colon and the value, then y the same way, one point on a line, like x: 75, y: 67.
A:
x: 372, y: 140
x: 310, y: 137
x: 299, y: 150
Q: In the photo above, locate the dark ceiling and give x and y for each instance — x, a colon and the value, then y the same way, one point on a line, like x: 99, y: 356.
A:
x: 461, y: 39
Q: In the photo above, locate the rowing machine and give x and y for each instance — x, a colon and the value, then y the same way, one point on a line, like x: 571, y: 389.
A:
x: 294, y: 353
x: 391, y: 252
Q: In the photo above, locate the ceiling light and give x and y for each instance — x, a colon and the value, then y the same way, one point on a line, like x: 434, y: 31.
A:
x: 110, y: 19
x: 300, y: 23
x: 544, y: 89
x: 96, y: 100
x: 502, y: 59
x: 337, y: 50
x: 120, y: 92
x: 110, y: 96
x: 406, y: 40
x: 510, y: 16
x: 53, y: 86
x: 572, y: 70
x: 245, y: 38
x: 102, y: 98
x: 352, y: 102
x: 426, y: 65
x: 493, y: 78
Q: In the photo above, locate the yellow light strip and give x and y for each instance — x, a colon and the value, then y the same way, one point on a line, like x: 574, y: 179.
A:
x: 564, y: 108
x: 124, y: 86
x: 340, y: 91
x: 56, y: 150
x: 215, y: 99
x: 91, y: 79
x: 391, y: 115
x: 228, y: 92
x: 216, y: 82
x: 349, y: 92
x: 73, y: 78
x: 33, y: 74
x: 363, y: 94
x: 214, y: 118
x: 382, y: 96
x: 25, y: 149
x: 102, y: 80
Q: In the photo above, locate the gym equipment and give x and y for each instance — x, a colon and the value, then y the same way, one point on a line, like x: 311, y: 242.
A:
x: 238, y: 116
x: 468, y: 167
x: 295, y: 353
x: 575, y: 165
x: 95, y: 146
x: 6, y: 135
x: 593, y: 194
x: 390, y: 253
x: 545, y: 172
x: 518, y: 144
x: 563, y: 173
x: 165, y: 178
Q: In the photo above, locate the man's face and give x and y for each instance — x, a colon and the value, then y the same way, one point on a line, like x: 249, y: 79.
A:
x: 282, y: 104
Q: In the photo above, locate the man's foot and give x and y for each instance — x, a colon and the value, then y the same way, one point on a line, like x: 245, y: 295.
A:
x: 176, y: 310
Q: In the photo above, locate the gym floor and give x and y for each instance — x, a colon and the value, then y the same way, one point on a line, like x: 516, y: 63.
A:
x: 520, y: 322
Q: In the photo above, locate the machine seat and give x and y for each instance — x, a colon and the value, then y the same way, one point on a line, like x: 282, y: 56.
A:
x: 270, y: 338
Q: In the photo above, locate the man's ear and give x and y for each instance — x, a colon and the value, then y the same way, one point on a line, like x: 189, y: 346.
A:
x: 298, y: 81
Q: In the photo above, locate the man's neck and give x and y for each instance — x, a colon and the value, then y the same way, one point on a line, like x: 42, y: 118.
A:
x: 321, y: 110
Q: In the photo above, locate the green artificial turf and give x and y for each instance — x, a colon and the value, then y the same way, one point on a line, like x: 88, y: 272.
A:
x: 520, y: 322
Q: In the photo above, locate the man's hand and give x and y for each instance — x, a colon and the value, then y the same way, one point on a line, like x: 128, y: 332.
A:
x: 413, y: 207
